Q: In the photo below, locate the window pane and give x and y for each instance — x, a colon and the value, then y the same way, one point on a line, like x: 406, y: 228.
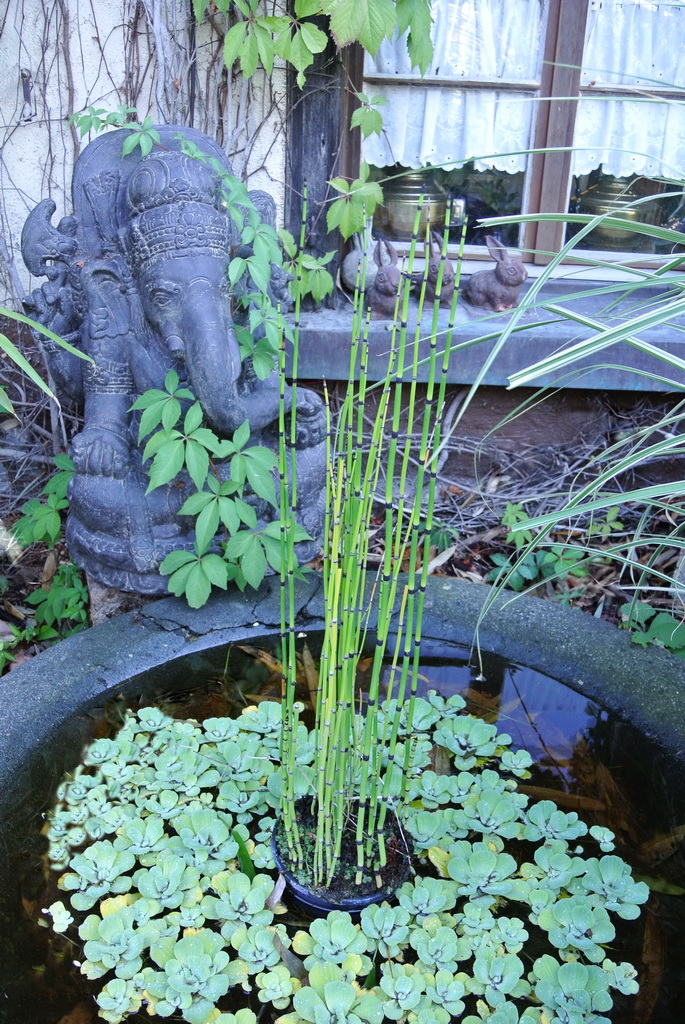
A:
x: 636, y: 43
x: 474, y: 194
x: 474, y: 39
x: 631, y: 199
x: 625, y: 144
x: 441, y: 126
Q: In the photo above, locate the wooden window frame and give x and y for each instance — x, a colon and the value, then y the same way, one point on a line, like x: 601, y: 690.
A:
x: 548, y: 181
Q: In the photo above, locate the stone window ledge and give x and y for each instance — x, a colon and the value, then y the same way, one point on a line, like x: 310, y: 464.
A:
x: 325, y: 341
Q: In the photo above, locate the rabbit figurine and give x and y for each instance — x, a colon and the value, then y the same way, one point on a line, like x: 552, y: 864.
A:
x: 496, y: 289
x: 433, y: 256
x: 381, y: 294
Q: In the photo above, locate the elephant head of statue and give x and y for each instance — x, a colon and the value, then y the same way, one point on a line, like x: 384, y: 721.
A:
x: 178, y: 245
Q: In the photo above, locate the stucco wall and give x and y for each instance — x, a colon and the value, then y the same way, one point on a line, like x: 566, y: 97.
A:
x: 91, y: 52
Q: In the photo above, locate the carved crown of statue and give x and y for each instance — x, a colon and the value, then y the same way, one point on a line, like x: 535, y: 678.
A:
x: 137, y: 279
x: 169, y: 213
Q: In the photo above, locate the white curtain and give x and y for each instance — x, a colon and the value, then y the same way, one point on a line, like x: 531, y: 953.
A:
x: 640, y: 43
x: 473, y: 39
x: 628, y: 42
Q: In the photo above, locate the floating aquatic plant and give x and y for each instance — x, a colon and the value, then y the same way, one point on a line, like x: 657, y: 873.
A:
x: 506, y: 920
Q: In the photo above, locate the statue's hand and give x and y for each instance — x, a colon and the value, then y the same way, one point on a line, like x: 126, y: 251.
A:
x: 96, y: 451
x: 311, y: 419
x: 52, y: 306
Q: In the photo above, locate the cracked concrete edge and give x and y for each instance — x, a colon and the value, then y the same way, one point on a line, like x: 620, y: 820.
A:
x: 646, y: 687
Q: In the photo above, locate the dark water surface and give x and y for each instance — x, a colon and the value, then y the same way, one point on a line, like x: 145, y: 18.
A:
x: 587, y: 760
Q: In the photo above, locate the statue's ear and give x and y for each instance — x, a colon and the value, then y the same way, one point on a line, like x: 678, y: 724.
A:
x: 106, y: 293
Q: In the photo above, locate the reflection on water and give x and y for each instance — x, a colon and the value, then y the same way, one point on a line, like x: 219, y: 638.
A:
x: 587, y: 760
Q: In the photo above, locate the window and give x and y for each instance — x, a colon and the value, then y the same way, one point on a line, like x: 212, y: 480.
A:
x: 599, y: 76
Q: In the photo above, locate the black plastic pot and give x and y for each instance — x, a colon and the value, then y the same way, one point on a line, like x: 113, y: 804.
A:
x: 302, y: 898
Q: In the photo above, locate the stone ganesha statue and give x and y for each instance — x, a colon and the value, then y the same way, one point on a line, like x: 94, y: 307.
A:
x: 138, y: 280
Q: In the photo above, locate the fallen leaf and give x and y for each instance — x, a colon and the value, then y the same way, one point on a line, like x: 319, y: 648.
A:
x: 49, y: 568
x: 276, y: 892
x: 574, y: 801
x: 662, y: 847
x: 440, y: 559
x: 83, y: 1013
x: 19, y: 658
x: 13, y: 611
x: 310, y: 674
x: 661, y: 885
x: 292, y: 962
x: 266, y: 657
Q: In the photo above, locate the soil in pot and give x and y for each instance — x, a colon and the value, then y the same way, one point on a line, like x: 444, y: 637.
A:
x: 343, y: 887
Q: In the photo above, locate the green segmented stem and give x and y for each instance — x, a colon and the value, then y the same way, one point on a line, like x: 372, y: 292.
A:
x: 354, y: 756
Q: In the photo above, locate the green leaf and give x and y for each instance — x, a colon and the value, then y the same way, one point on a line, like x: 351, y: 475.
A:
x: 320, y: 283
x: 193, y: 505
x: 236, y: 269
x: 198, y: 586
x: 265, y: 47
x: 347, y: 214
x: 242, y: 435
x: 261, y: 482
x: 260, y: 272
x: 193, y: 419
x: 369, y: 120
x: 130, y: 143
x: 340, y: 185
x: 175, y: 559
x: 171, y: 413
x: 272, y: 549
x: 199, y: 9
x: 263, y: 364
x: 253, y: 561
x: 244, y: 859
x: 308, y: 8
x: 314, y: 38
x: 167, y: 464
x: 416, y: 16
x: 176, y: 584
x: 238, y: 544
x: 59, y: 482
x: 233, y: 43
x: 224, y: 448
x: 249, y: 55
x: 246, y: 513
x: 145, y: 143
x: 228, y: 515
x: 158, y: 440
x: 364, y: 21
x: 288, y: 242
x: 197, y: 462
x: 238, y: 468
x: 15, y: 355
x: 206, y: 525
x: 216, y: 570
x: 19, y: 360
x: 5, y: 403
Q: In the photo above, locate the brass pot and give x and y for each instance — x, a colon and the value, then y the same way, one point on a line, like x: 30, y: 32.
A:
x: 395, y: 219
x: 610, y: 197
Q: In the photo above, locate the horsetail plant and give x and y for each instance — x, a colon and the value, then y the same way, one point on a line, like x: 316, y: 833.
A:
x: 360, y: 766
